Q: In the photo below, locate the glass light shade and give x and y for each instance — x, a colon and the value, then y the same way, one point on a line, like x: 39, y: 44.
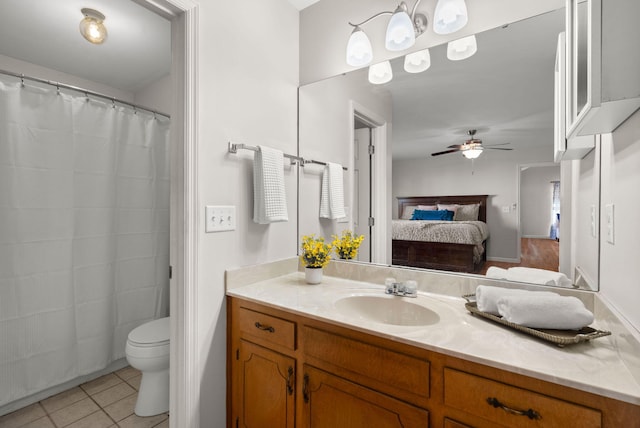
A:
x: 472, y: 153
x: 400, y: 32
x: 417, y: 62
x: 359, y: 51
x: 449, y: 16
x: 380, y: 73
x: 462, y: 48
x: 92, y: 28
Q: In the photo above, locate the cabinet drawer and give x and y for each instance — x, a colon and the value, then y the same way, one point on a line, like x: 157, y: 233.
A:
x: 501, y: 403
x: 266, y: 327
x: 402, y: 375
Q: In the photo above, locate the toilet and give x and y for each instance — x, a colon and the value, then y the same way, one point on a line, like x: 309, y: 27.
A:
x: 148, y: 351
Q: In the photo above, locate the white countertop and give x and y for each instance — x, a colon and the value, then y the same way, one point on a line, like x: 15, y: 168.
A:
x: 594, y: 366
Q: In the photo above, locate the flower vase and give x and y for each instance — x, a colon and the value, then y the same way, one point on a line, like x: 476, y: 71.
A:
x: 313, y: 275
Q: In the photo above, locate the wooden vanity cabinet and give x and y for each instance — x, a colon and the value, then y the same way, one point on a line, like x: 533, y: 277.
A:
x: 287, y: 370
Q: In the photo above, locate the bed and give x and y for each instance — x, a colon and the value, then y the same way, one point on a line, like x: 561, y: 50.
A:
x: 464, y: 253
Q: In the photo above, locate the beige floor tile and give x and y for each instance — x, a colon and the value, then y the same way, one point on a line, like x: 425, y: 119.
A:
x: 98, y: 419
x: 74, y: 412
x: 113, y: 394
x: 135, y: 382
x: 63, y: 399
x: 40, y: 423
x: 135, y: 421
x: 101, y: 383
x: 122, y: 408
x: 127, y: 373
x: 163, y: 424
x: 22, y: 417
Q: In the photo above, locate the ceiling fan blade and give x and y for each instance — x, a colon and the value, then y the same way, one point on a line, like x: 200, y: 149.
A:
x: 498, y: 148
x: 493, y: 145
x: 445, y: 152
x: 455, y: 146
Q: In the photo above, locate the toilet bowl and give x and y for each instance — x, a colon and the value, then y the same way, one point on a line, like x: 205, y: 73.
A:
x: 148, y: 351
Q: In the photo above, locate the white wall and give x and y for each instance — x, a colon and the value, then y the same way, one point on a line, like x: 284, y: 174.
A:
x: 247, y: 92
x: 620, y: 269
x: 536, y: 200
x: 157, y: 95
x: 324, y: 29
x: 494, y: 173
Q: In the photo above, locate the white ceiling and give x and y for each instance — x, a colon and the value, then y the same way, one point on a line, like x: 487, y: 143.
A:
x: 45, y: 32
x: 505, y: 91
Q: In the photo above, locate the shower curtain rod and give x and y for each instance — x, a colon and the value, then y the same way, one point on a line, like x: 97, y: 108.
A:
x: 84, y: 91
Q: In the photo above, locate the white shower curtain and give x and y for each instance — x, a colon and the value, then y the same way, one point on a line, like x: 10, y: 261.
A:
x: 84, y: 233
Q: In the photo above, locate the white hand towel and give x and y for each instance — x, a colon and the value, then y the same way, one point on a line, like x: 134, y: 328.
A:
x: 487, y: 296
x: 552, y: 312
x: 332, y: 192
x: 496, y: 272
x: 269, y: 199
x: 538, y: 276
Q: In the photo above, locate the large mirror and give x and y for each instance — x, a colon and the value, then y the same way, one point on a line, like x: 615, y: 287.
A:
x: 537, y: 213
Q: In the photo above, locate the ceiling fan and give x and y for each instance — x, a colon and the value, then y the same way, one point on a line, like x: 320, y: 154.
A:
x: 471, y: 148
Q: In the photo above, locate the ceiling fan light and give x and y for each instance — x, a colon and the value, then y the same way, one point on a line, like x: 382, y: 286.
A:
x: 400, y: 31
x: 462, y: 48
x: 417, y: 62
x: 92, y: 27
x: 450, y: 16
x: 380, y: 73
x: 472, y: 153
x: 359, y: 51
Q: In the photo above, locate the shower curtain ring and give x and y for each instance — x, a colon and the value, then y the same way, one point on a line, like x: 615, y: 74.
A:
x: 113, y: 103
x: 22, y: 80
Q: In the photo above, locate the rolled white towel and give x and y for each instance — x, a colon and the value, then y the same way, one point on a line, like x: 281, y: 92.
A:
x: 552, y: 312
x: 487, y: 296
x: 496, y: 272
x: 538, y: 276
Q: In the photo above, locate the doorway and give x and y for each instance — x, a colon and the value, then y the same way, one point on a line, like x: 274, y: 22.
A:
x: 362, y: 207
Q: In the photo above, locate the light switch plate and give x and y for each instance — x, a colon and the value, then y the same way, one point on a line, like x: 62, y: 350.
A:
x: 219, y: 218
x: 609, y: 210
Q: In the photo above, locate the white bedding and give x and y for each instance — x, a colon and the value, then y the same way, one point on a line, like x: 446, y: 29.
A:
x: 454, y: 232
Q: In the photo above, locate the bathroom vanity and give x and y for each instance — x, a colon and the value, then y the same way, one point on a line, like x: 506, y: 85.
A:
x: 313, y: 356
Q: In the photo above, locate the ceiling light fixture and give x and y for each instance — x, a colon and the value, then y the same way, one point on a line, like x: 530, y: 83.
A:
x: 92, y: 27
x: 402, y: 30
x: 449, y: 16
x: 417, y: 62
x: 380, y: 73
x: 472, y: 153
x: 462, y: 48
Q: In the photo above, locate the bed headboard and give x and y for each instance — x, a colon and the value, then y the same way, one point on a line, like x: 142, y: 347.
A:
x: 404, y: 201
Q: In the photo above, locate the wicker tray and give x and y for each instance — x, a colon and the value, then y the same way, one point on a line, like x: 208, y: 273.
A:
x: 559, y: 337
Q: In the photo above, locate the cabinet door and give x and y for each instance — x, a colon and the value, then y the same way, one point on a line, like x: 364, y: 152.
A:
x: 265, y: 388
x: 330, y: 402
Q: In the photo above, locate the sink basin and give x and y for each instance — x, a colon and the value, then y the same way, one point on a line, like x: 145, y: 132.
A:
x: 387, y: 310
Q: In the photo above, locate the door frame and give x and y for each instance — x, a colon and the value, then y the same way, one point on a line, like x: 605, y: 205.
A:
x: 381, y: 172
x: 185, y: 370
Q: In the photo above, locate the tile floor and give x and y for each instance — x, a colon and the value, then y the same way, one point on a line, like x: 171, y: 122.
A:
x: 106, y: 402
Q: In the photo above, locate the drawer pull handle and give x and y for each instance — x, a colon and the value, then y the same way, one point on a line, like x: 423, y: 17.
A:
x: 290, y: 380
x: 265, y: 327
x: 530, y: 413
x: 305, y: 388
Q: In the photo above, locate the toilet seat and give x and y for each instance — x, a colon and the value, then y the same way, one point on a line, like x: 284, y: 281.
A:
x: 152, y: 334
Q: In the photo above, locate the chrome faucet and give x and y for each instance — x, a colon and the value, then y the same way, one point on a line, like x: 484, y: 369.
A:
x: 402, y: 289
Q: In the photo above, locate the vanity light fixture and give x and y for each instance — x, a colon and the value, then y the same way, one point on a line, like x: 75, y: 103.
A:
x: 449, y: 16
x: 472, y: 153
x: 462, y: 48
x: 92, y: 27
x: 417, y: 62
x: 402, y: 30
x: 380, y: 73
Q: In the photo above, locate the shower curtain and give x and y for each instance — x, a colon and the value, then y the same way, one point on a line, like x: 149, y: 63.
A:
x: 84, y: 233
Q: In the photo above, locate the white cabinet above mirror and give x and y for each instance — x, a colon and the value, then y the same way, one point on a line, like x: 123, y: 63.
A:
x: 603, y: 64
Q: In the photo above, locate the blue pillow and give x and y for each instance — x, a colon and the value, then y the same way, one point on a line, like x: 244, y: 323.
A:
x: 445, y: 215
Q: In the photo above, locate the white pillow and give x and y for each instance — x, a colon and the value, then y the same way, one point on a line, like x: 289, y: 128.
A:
x: 407, y: 212
x: 467, y: 212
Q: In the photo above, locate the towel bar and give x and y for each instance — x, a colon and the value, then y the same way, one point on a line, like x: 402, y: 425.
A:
x: 234, y: 147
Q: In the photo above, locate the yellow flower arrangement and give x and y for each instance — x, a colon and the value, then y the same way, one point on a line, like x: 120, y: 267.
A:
x: 315, y: 252
x: 346, y: 246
